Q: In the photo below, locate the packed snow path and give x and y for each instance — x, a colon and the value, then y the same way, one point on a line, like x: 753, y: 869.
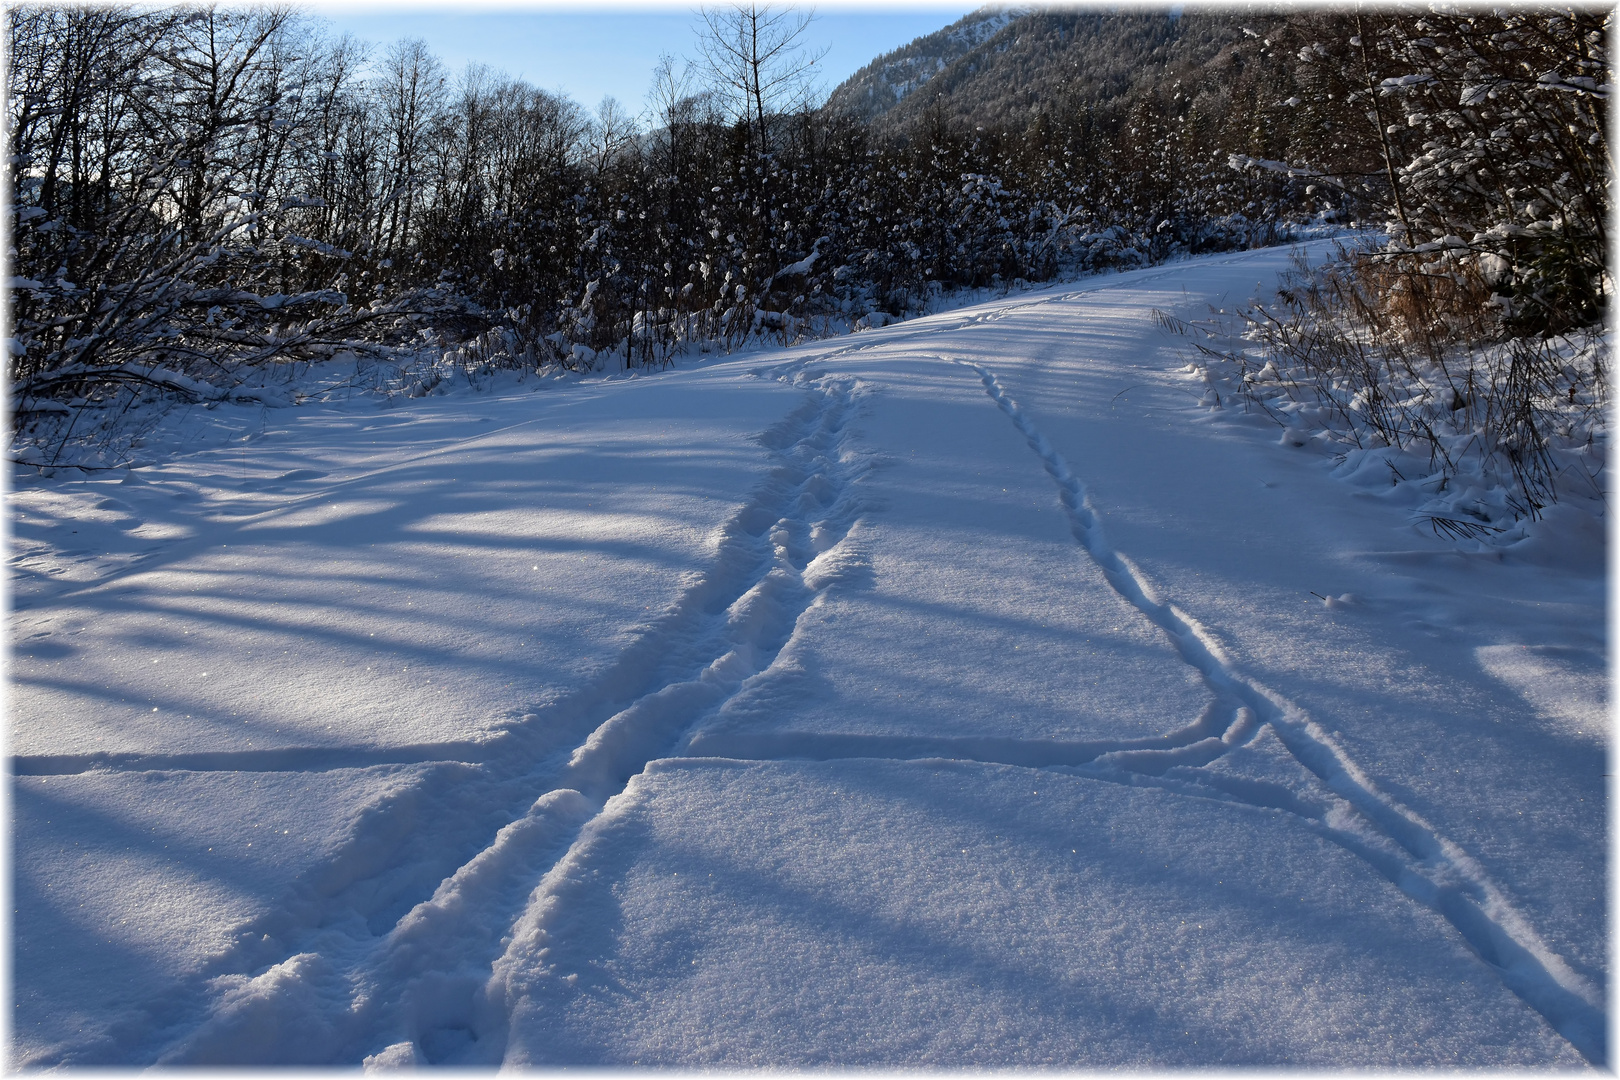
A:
x: 959, y: 693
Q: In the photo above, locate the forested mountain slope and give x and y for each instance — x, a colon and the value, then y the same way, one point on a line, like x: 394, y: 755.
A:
x: 999, y: 66
x: 881, y: 85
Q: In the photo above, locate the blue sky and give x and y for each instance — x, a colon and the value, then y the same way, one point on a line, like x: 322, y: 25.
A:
x: 589, y: 53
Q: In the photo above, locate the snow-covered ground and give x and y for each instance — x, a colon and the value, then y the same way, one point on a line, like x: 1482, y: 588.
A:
x: 962, y: 692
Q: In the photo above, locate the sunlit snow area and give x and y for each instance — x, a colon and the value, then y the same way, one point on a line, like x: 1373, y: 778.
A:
x: 964, y: 692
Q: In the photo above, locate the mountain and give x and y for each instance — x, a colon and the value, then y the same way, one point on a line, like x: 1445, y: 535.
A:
x: 881, y: 85
x: 999, y: 65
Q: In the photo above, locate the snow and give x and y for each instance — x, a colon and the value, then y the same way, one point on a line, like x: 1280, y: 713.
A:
x: 959, y: 693
x: 1026, y: 919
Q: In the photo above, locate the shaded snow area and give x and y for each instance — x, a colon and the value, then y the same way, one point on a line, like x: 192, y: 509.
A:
x: 958, y: 693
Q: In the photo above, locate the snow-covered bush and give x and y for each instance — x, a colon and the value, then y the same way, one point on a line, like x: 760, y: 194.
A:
x: 1480, y: 136
x: 1484, y: 431
x: 1466, y: 352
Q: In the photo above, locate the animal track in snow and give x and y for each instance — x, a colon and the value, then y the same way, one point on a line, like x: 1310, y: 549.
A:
x: 1397, y: 842
x: 1251, y: 746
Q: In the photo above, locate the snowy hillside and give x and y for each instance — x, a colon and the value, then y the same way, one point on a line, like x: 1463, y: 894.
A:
x: 885, y: 82
x: 1001, y: 68
x: 964, y: 692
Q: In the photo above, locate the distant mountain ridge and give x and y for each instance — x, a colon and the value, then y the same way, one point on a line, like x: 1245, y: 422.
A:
x: 886, y: 81
x: 999, y: 65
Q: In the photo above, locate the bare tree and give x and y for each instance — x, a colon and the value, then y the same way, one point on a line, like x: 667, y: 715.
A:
x: 611, y: 132
x: 756, y: 55
x: 412, y: 91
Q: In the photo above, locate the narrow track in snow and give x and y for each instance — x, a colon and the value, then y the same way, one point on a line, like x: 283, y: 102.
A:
x: 1397, y: 842
x: 1198, y: 760
x: 420, y: 980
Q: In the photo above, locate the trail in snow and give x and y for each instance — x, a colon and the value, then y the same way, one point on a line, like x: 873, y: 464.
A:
x: 363, y: 962
x: 1425, y: 865
x: 1217, y: 756
x: 422, y: 980
x: 1398, y: 843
